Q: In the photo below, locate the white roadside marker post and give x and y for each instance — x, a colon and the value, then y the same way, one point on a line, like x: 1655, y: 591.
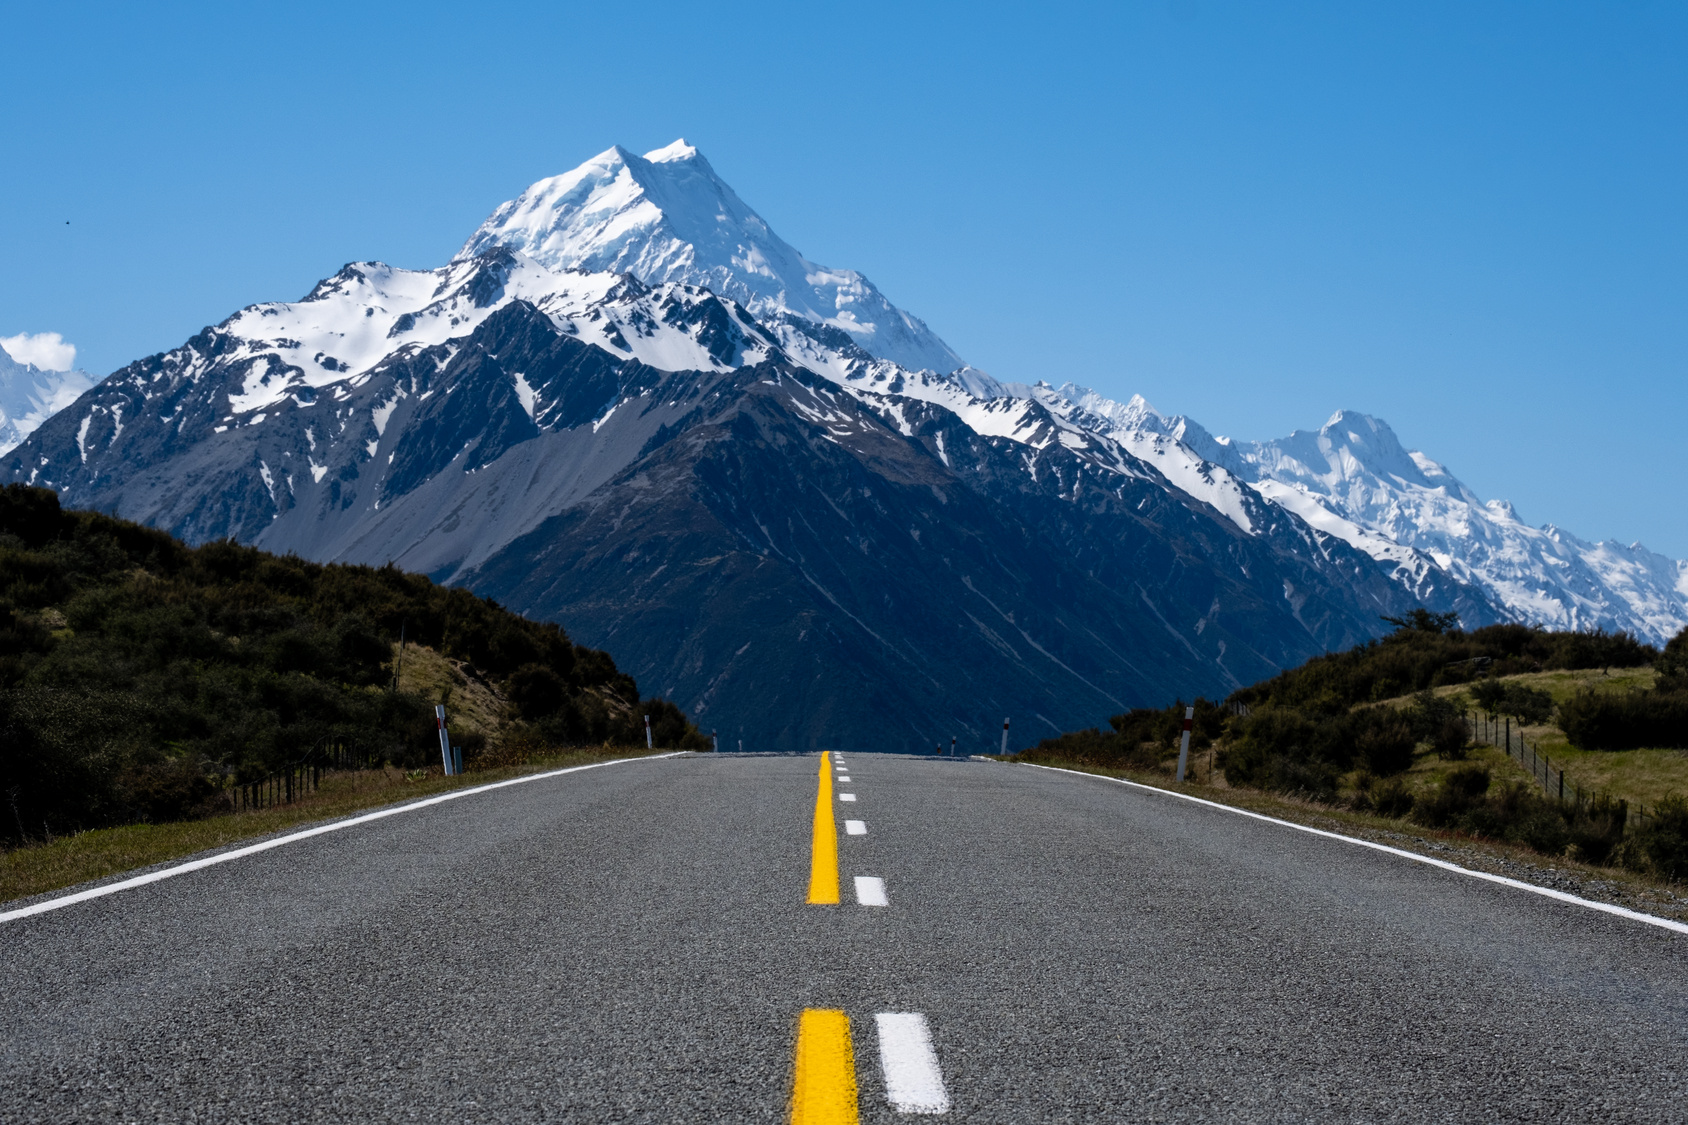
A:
x: 647, y: 732
x: 1184, y: 742
x: 445, y: 739
x: 1005, y: 738
x: 715, y: 741
x: 952, y: 745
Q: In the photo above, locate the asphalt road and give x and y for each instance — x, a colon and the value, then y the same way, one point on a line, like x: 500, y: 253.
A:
x: 633, y: 943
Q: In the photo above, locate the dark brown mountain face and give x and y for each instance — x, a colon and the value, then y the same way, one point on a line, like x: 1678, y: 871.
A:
x: 791, y: 563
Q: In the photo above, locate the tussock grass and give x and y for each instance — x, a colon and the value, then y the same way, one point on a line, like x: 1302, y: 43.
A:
x: 86, y: 856
x: 471, y: 702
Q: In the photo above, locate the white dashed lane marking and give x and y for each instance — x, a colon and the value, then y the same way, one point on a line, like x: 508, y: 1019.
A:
x: 855, y: 827
x: 870, y: 891
x: 841, y: 777
x: 913, y: 1081
x: 846, y: 796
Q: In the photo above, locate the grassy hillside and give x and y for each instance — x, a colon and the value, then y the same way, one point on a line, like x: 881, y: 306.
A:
x: 1381, y: 729
x: 140, y: 679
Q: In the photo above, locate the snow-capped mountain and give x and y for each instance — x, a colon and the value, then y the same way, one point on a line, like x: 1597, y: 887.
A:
x: 667, y: 217
x: 629, y: 406
x: 29, y: 395
x: 1352, y: 478
x: 797, y: 544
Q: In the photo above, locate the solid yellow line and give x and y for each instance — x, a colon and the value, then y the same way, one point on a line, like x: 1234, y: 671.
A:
x: 823, y: 1090
x: 823, y: 848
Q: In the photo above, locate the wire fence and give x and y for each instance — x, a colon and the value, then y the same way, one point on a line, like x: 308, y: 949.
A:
x: 302, y: 777
x: 1497, y: 731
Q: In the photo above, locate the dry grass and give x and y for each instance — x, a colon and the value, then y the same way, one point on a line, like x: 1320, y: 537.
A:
x: 471, y: 702
x: 69, y: 860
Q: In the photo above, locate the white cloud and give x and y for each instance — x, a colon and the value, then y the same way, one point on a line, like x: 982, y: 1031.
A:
x: 46, y: 350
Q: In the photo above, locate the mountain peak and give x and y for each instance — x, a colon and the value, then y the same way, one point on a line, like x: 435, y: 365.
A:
x: 668, y: 154
x: 667, y: 217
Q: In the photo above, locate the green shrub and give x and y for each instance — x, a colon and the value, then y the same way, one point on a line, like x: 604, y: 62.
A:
x: 1384, y: 740
x: 1519, y: 813
x: 1524, y: 703
x: 1137, y: 739
x: 1596, y: 720
x: 1432, y: 653
x: 1386, y: 796
x: 1661, y: 846
x: 139, y: 677
x: 1672, y: 665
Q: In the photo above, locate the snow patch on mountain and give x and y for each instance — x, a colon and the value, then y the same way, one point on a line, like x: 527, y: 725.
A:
x: 29, y: 395
x: 666, y: 217
x: 370, y: 311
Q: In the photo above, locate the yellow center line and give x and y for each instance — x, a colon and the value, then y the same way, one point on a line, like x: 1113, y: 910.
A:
x: 823, y: 848
x: 823, y: 1090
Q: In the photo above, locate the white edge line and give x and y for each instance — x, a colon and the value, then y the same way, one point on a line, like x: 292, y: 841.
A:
x: 1545, y: 892
x: 253, y: 849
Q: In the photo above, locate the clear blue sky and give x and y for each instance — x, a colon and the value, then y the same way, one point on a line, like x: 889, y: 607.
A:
x: 1468, y: 219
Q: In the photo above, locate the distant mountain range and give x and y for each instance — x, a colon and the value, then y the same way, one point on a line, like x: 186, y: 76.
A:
x: 781, y: 501
x: 29, y: 395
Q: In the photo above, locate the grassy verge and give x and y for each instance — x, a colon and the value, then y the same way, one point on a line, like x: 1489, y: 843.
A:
x: 69, y: 860
x: 1637, y: 776
x: 1602, y: 884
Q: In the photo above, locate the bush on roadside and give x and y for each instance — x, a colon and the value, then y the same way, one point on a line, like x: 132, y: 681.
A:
x: 1518, y: 813
x: 1661, y: 846
x: 1630, y: 720
x: 1137, y: 739
x: 1385, y: 796
x: 140, y: 677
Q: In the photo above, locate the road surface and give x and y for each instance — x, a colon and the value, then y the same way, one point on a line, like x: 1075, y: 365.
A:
x: 636, y: 943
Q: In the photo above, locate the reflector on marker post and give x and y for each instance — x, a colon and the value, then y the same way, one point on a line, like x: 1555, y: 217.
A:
x: 647, y: 732
x: 445, y: 740
x: 1184, y: 742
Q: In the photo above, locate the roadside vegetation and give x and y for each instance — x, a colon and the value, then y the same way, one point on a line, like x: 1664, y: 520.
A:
x: 98, y: 853
x: 1382, y: 730
x: 143, y: 681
